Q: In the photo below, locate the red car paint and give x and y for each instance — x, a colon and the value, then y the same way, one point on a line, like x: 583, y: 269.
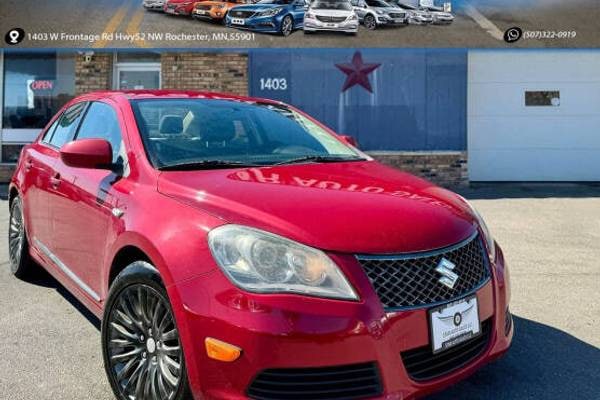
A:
x: 340, y: 208
x: 179, y: 7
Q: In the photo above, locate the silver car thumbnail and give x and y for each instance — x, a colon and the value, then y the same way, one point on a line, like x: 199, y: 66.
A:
x: 415, y: 15
x: 154, y: 4
x: 374, y: 13
x: 331, y: 15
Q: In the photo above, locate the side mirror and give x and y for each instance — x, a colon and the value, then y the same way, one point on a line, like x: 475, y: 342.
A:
x: 348, y: 140
x: 87, y: 153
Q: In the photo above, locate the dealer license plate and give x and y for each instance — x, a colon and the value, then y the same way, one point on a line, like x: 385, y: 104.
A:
x: 238, y: 21
x: 331, y: 25
x: 200, y: 12
x: 454, y: 323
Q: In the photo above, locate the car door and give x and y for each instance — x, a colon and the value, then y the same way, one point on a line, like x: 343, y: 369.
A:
x: 87, y: 207
x: 359, y: 8
x: 298, y: 10
x: 40, y: 184
x: 38, y: 162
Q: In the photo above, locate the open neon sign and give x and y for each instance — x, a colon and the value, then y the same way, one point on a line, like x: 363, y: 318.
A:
x: 42, y: 85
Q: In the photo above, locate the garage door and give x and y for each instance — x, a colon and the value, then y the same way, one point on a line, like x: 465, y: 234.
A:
x: 534, y: 115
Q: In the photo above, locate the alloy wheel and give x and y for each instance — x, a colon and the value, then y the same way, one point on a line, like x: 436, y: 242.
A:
x: 16, y: 236
x: 144, y: 351
x: 286, y: 26
x: 370, y: 22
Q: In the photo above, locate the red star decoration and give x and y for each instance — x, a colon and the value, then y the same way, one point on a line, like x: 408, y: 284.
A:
x: 357, y: 72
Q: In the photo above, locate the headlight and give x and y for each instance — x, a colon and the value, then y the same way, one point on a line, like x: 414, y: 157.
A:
x: 263, y: 262
x: 353, y: 17
x: 271, y: 12
x: 489, y: 239
x: 379, y: 12
x: 309, y: 15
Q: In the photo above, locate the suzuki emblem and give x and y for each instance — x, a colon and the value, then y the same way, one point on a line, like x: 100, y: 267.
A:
x: 445, y: 268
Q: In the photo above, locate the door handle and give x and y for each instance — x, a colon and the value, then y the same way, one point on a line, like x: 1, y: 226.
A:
x: 55, y: 180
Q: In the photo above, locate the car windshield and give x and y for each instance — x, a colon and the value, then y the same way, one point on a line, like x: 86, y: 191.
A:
x: 221, y: 133
x: 274, y: 2
x: 377, y: 3
x: 332, y: 5
x: 407, y: 6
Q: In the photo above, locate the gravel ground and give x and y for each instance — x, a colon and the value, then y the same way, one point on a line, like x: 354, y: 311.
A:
x: 50, y: 346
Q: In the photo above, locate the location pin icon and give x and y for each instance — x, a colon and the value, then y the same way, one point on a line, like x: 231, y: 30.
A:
x: 14, y: 36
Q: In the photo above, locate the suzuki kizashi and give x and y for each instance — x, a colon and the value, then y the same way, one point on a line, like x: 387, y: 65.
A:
x: 236, y: 248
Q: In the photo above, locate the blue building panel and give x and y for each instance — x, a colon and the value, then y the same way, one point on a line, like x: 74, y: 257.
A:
x: 388, y: 99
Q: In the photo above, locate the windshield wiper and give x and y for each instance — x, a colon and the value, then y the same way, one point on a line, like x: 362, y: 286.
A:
x: 207, y: 164
x: 319, y: 159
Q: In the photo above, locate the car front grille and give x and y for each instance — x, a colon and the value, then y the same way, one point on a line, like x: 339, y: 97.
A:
x: 422, y: 365
x: 411, y: 281
x: 350, y: 382
x: 241, y: 14
x: 202, y: 7
x: 324, y: 18
x: 397, y: 15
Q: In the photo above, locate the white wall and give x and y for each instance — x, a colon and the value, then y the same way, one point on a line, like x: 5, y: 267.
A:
x: 511, y: 142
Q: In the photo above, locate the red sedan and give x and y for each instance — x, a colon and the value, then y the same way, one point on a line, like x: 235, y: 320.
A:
x: 235, y: 248
x: 179, y: 7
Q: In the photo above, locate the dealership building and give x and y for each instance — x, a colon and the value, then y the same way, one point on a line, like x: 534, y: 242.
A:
x: 453, y: 116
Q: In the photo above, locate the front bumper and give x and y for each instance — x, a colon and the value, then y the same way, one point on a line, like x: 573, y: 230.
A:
x: 287, y: 331
x: 387, y: 20
x: 420, y: 20
x: 212, y: 14
x: 313, y: 25
x: 155, y: 6
x: 442, y: 20
x: 258, y: 24
x: 178, y: 10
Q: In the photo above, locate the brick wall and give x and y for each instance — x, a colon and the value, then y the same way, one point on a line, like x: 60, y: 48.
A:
x: 217, y: 72
x: 93, y: 75
x: 445, y: 168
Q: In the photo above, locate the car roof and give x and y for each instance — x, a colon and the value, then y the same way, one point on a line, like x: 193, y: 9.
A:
x: 169, y: 94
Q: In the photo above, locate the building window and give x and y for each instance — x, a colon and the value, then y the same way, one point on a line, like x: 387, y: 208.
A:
x: 11, y: 152
x: 543, y: 98
x: 36, y: 86
x: 137, y: 70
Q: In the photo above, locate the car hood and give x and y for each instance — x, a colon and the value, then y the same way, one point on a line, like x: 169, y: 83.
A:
x: 331, y: 13
x: 349, y: 207
x: 258, y: 7
x: 209, y: 3
x: 388, y: 10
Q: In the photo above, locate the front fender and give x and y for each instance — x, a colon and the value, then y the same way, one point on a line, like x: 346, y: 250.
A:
x: 172, y: 235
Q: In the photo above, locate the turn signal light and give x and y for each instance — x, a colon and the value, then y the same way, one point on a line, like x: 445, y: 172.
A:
x: 221, y: 351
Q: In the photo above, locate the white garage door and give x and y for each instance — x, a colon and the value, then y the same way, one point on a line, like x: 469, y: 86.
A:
x: 534, y: 115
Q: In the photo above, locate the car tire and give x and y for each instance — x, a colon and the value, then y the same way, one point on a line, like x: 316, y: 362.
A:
x: 370, y: 22
x: 141, y: 348
x: 287, y: 25
x: 21, y: 264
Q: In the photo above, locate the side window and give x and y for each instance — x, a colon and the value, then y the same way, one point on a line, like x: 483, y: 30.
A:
x: 50, y: 131
x: 68, y: 122
x: 101, y: 122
